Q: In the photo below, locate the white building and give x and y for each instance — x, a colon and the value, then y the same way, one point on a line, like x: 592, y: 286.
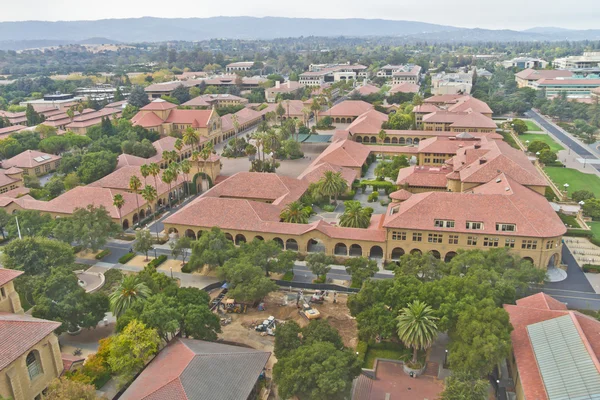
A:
x: 452, y: 83
x: 525, y: 62
x: 401, y: 73
x: 239, y: 66
x: 588, y: 62
x: 319, y: 74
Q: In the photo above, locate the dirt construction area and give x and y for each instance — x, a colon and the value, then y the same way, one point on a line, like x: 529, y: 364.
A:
x: 241, y: 329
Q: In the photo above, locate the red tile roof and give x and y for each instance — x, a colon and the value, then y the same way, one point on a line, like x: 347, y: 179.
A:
x: 423, y: 176
x: 471, y: 103
x: 146, y: 120
x: 19, y: 333
x: 348, y: 108
x: 197, y: 118
x: 489, y: 203
x: 314, y: 173
x: 10, y: 129
x: 27, y: 159
x: 365, y: 90
x: 207, y: 100
x: 344, y: 153
x: 119, y: 180
x: 127, y: 159
x: 160, y: 104
x: 7, y: 275
x: 538, y: 308
x: 405, y: 87
x: 465, y: 119
x: 533, y: 75
x: 400, y: 195
x: 368, y: 122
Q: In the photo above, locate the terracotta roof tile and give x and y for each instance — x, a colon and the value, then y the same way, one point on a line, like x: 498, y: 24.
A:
x: 405, y: 87
x: 7, y: 275
x: 119, y: 180
x: 159, y: 104
x: 348, y: 108
x: 27, y: 159
x: 370, y: 121
x: 344, y: 153
x: 146, y: 120
x: 314, y: 173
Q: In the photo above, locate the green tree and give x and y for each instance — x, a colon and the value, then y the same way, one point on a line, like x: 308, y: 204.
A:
x: 64, y: 388
x: 119, y: 202
x: 135, y: 184
x: 138, y: 97
x: 92, y: 226
x: 464, y: 387
x: 547, y: 157
x: 582, y: 195
x: 355, y: 215
x: 143, y: 242
x: 149, y: 194
x: 382, y: 136
x: 180, y: 247
x: 212, y: 249
x: 191, y: 137
x: 160, y: 312
x: 199, y: 322
x: 398, y: 121
x: 71, y: 180
x: 361, y: 269
x: 131, y: 349
x: 36, y: 255
x: 319, y: 371
x: 287, y: 339
x: 247, y: 282
x: 417, y: 327
x: 268, y: 255
x: 332, y: 184
x: 319, y: 263
x: 31, y: 223
x: 481, y: 339
x: 295, y: 213
x: 4, y: 220
x: 96, y: 165
x: 519, y: 126
x: 321, y: 331
x: 60, y: 298
x: 33, y: 118
x: 130, y: 291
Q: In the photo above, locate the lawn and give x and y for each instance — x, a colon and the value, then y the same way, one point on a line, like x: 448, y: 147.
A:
x: 541, y: 137
x: 577, y: 180
x: 389, y: 350
x: 532, y: 126
x: 595, y: 227
x: 569, y: 220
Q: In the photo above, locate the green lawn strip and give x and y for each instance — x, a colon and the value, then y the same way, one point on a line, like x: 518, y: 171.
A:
x: 595, y: 227
x: 577, y: 180
x: 510, y: 140
x: 389, y: 350
x: 532, y: 126
x: 542, y: 138
x: 569, y: 220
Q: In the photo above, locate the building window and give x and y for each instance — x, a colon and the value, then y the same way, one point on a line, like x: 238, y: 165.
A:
x: 398, y: 235
x: 2, y: 293
x: 33, y: 364
x: 472, y: 241
x: 435, y: 238
x: 549, y: 244
x: 490, y: 242
x: 506, y: 227
x: 37, y: 170
x: 417, y: 237
x: 475, y: 225
x: 453, y: 239
x: 529, y: 244
x: 440, y: 223
x: 509, y: 243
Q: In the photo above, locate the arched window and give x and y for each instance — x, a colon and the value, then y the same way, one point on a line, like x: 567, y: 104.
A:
x: 34, y: 367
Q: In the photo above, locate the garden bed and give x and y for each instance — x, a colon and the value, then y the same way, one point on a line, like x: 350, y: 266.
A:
x: 387, y: 350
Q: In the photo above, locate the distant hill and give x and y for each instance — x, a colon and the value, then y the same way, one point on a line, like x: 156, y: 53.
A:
x: 20, y: 35
x: 36, y: 44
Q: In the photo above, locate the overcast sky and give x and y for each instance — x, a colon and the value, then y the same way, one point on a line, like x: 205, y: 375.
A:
x: 492, y: 14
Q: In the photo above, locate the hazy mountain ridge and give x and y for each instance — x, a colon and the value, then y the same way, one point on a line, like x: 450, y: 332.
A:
x: 28, y: 34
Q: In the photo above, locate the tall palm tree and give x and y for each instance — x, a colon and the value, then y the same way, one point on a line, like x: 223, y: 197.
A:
x: 186, y: 167
x: 145, y: 170
x: 382, y: 135
x: 167, y: 177
x: 176, y: 168
x: 178, y: 144
x: 332, y: 184
x: 295, y: 213
x: 305, y: 114
x: 417, y: 327
x: 154, y: 170
x: 129, y: 291
x: 355, y: 216
x: 135, y: 185
x: 149, y: 194
x: 205, y: 154
x: 315, y: 107
x: 191, y: 137
x: 119, y: 202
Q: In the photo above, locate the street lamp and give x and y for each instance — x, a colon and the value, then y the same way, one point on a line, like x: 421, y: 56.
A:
x: 537, y: 154
x: 155, y: 256
x: 171, y: 268
x: 581, y: 203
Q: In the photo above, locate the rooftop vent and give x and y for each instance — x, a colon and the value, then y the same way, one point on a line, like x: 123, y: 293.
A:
x: 498, y: 180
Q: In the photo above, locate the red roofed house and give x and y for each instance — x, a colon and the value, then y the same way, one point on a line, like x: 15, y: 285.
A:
x: 288, y: 88
x: 33, y: 162
x: 164, y: 117
x: 556, y: 352
x: 528, y: 76
x: 462, y: 121
x: 29, y: 351
x: 347, y: 111
x: 83, y: 122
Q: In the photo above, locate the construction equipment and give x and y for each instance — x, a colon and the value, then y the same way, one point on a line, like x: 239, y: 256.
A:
x: 232, y: 307
x: 308, y: 312
x: 318, y: 297
x: 225, y: 321
x: 216, y: 302
x: 268, y: 325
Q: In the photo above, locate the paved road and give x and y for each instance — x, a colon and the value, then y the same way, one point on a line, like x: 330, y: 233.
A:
x: 565, y: 139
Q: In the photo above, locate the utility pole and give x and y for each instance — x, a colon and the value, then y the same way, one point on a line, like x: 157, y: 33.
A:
x: 18, y: 228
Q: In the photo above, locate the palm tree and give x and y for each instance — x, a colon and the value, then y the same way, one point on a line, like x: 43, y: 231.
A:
x: 176, y: 168
x: 355, y: 216
x: 154, y: 170
x: 167, y: 177
x: 119, y: 202
x: 295, y: 213
x: 149, y: 194
x: 315, y: 107
x: 305, y: 113
x: 191, y: 137
x: 186, y: 167
x: 129, y: 291
x: 417, y: 327
x: 382, y: 135
x: 145, y: 170
x: 178, y: 144
x: 332, y: 184
x: 135, y: 185
x: 205, y: 154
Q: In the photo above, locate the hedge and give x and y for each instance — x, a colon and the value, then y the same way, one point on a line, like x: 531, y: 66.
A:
x: 157, y: 261
x: 102, y: 254
x: 288, y: 276
x: 127, y: 257
x: 361, y: 349
x: 591, y: 268
x: 579, y: 233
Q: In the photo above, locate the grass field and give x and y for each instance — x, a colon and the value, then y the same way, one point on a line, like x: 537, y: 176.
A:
x: 541, y: 137
x: 577, y: 180
x: 389, y: 350
x: 595, y: 227
x: 532, y: 126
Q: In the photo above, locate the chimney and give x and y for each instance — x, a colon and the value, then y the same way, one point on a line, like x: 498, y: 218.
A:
x: 277, y: 84
x: 478, y: 146
x: 482, y: 160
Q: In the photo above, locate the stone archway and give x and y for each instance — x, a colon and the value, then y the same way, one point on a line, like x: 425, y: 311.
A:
x: 397, y: 253
x: 387, y: 140
x: 527, y: 259
x: 191, y: 234
x: 355, y: 250
x: 449, y: 256
x: 416, y: 140
x: 435, y: 253
x: 239, y: 239
x: 416, y: 251
x: 394, y: 140
x: 359, y: 139
x: 291, y: 244
x: 125, y: 224
x: 135, y: 219
x: 376, y: 252
x: 409, y: 141
x: 279, y: 242
x: 315, y: 246
x: 228, y: 236
x: 402, y: 141
x: 201, y: 182
x: 553, y: 261
x: 340, y: 249
x: 259, y: 238
x: 373, y: 139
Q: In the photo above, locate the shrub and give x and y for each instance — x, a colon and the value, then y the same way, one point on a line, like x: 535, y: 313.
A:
x: 157, y: 261
x: 126, y: 258
x: 391, y: 266
x: 329, y: 207
x: 373, y: 197
x: 288, y: 276
x: 186, y: 268
x: 321, y: 279
x: 361, y: 349
x: 579, y: 233
x: 349, y: 195
x: 102, y: 254
x: 591, y: 268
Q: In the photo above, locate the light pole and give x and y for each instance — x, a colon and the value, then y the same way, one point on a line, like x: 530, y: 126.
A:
x: 171, y: 268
